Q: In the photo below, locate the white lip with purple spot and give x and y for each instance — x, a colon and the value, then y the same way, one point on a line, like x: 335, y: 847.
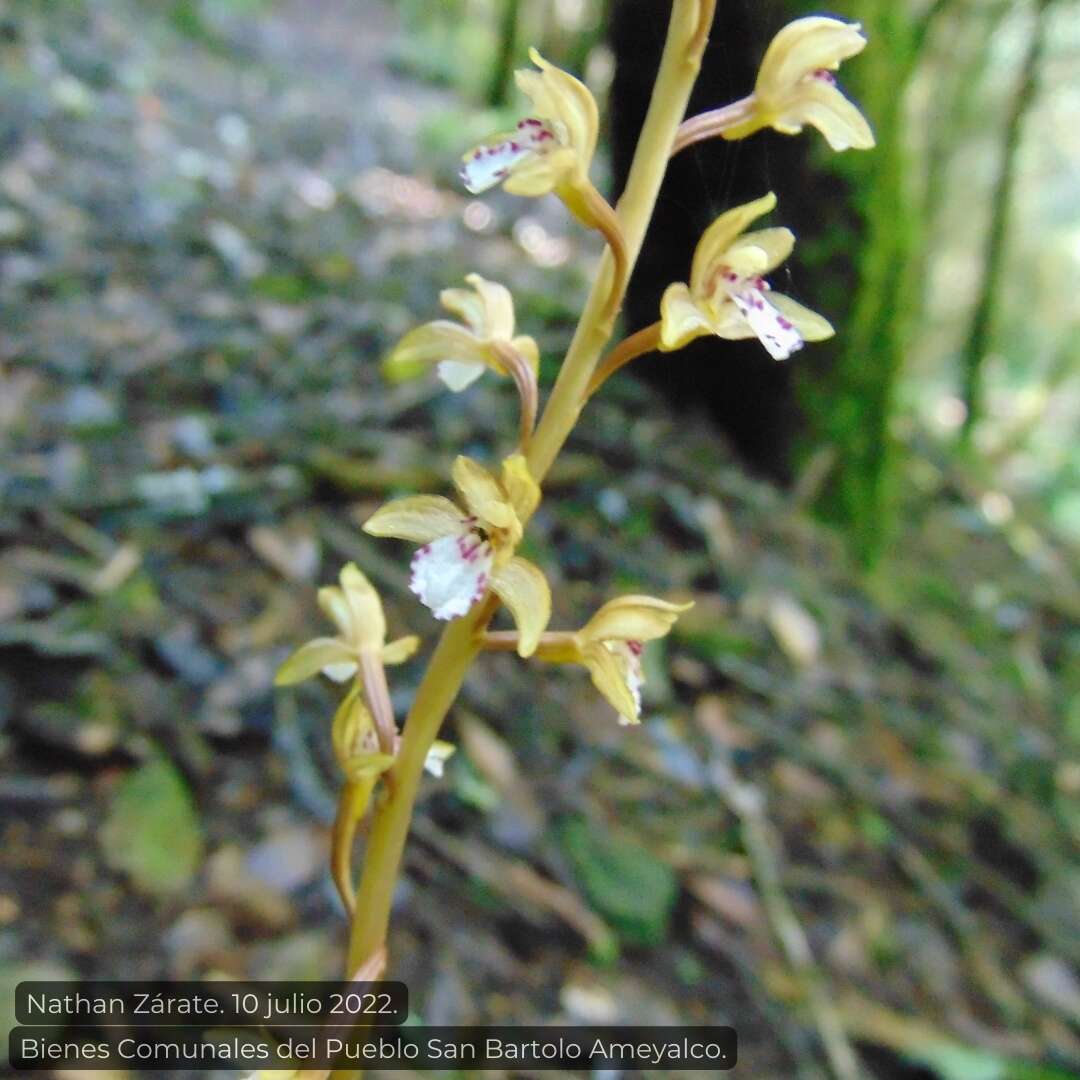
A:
x: 451, y: 573
x: 775, y: 332
x: 490, y: 165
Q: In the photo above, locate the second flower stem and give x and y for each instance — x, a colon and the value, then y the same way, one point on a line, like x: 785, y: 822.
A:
x: 644, y: 341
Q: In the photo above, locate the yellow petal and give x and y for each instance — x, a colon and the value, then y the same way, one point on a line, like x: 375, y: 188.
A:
x: 352, y: 735
x: 609, y: 678
x: 482, y: 494
x: 520, y: 487
x: 335, y: 607
x: 720, y: 235
x: 774, y: 244
x: 420, y: 518
x: 823, y: 106
x: 805, y: 46
x: 633, y: 618
x: 730, y: 324
x: 352, y: 731
x: 558, y: 96
x: 523, y: 588
x: 745, y: 260
x: 367, y: 622
x: 311, y: 658
x: 811, y: 325
x: 497, y: 305
x: 467, y: 306
x: 430, y: 344
x: 681, y: 320
x: 541, y: 174
x: 399, y: 650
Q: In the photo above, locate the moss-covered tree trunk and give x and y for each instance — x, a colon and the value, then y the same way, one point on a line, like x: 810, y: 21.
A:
x: 856, y: 231
x: 851, y: 407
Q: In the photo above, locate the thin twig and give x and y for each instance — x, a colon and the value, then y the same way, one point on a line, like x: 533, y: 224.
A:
x: 748, y: 805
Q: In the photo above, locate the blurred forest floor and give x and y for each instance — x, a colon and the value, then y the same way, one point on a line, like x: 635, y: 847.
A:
x: 854, y: 807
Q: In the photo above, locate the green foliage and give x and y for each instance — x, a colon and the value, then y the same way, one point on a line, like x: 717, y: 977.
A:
x: 152, y: 831
x: 951, y: 1061
x: 443, y: 44
x: 622, y: 880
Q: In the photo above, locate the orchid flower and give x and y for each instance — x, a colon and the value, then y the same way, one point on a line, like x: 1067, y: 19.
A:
x: 610, y: 645
x: 466, y: 552
x: 463, y: 350
x: 355, y: 740
x: 729, y: 297
x: 356, y: 610
x: 550, y: 150
x: 796, y: 85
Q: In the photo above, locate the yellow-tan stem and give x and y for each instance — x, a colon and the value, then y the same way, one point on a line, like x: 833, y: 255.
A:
x: 507, y: 640
x: 463, y: 638
x: 644, y: 341
x: 602, y: 218
x: 679, y: 66
x: 709, y: 125
x: 456, y: 650
x: 370, y: 970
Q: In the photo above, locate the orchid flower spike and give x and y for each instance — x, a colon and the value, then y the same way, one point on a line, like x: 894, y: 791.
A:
x: 796, y: 85
x: 463, y: 350
x: 729, y: 297
x: 551, y: 150
x: 355, y: 608
x: 610, y: 645
x: 466, y: 552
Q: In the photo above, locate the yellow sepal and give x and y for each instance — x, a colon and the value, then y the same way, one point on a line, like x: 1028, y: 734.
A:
x: 311, y: 658
x: 420, y: 518
x: 609, y: 678
x: 520, y: 487
x: 523, y: 588
x: 483, y: 496
x: 559, y: 97
x: 720, y: 236
x: 398, y: 651
x: 633, y: 618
